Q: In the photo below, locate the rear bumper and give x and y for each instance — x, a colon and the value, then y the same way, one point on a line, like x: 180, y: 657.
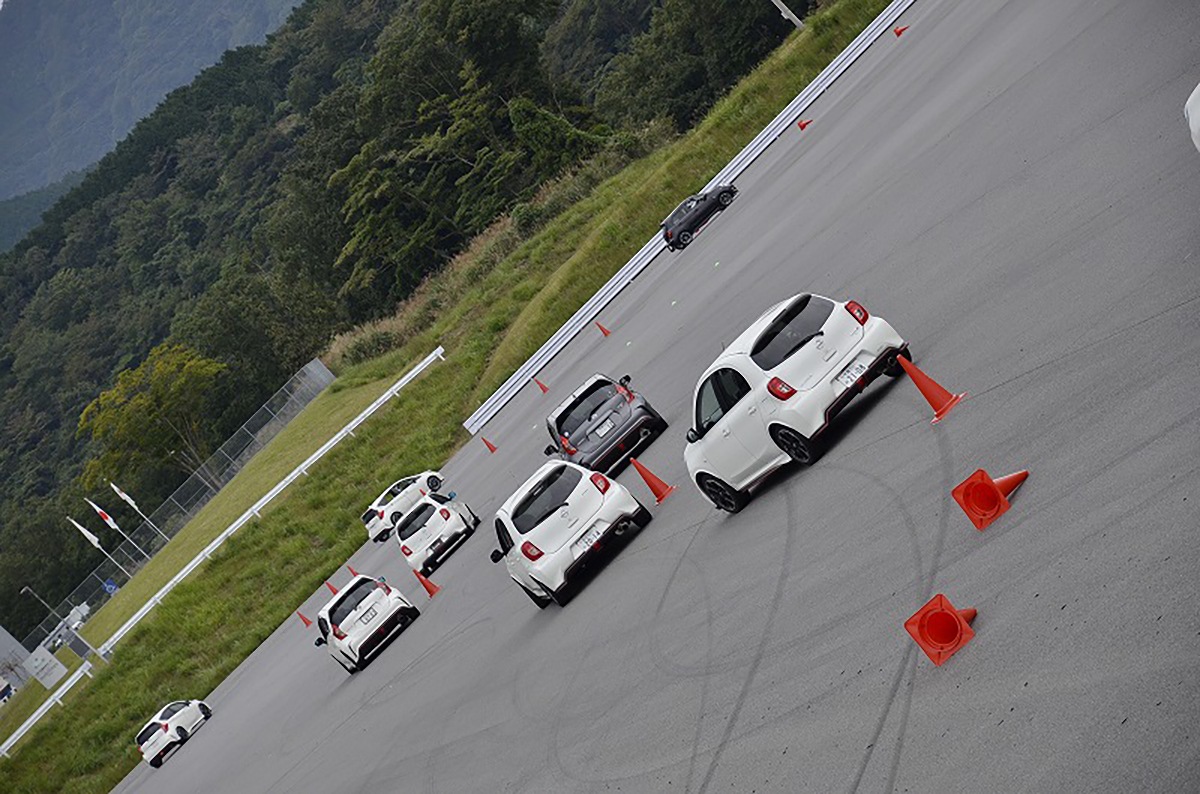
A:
x: 634, y: 437
x: 395, y: 623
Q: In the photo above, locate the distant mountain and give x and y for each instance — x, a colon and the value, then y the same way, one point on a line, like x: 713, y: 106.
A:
x: 76, y: 75
x: 21, y: 213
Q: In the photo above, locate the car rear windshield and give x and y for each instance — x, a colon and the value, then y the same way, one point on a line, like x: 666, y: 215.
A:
x: 147, y: 732
x: 354, y: 596
x: 413, y: 520
x: 790, y: 331
x: 585, y: 405
x: 545, y: 497
x: 370, y: 516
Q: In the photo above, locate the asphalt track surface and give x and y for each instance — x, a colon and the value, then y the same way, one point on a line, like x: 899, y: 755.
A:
x: 1013, y: 186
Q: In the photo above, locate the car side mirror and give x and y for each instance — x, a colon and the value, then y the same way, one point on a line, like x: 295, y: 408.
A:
x: 319, y: 641
x: 497, y: 555
x: 451, y: 495
x: 624, y: 381
x: 692, y: 435
x: 381, y: 580
x: 551, y: 450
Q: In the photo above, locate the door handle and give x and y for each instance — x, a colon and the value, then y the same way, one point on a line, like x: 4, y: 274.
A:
x: 725, y: 431
x: 752, y: 410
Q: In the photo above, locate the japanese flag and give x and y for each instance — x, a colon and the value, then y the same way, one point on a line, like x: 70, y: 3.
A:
x: 105, y: 517
x: 92, y: 539
x: 128, y: 499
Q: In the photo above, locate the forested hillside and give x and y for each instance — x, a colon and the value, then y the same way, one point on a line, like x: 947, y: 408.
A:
x: 78, y: 74
x: 289, y: 192
x: 21, y: 213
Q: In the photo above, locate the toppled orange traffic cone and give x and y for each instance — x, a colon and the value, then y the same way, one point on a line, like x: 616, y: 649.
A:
x: 491, y: 447
x: 940, y: 400
x: 803, y: 124
x: 899, y: 31
x: 603, y: 330
x: 429, y: 586
x: 657, y: 487
x: 984, y: 499
x: 307, y: 622
x: 541, y: 386
x: 940, y: 629
x: 351, y: 569
x: 332, y: 589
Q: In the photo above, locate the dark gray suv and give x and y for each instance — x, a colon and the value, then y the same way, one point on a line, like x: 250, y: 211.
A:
x: 602, y: 424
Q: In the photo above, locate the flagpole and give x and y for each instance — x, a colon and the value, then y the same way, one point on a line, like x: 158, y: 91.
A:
x: 112, y: 523
x: 95, y: 541
x: 129, y: 501
x: 151, y: 523
x: 114, y: 562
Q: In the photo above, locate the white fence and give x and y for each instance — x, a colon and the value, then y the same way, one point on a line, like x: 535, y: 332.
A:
x: 54, y: 700
x: 590, y: 310
x: 301, y: 470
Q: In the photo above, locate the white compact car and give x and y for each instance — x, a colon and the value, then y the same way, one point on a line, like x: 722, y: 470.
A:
x: 769, y: 396
x: 1191, y: 112
x: 393, y: 503
x: 549, y: 529
x: 173, y: 725
x: 433, y: 529
x: 361, y: 618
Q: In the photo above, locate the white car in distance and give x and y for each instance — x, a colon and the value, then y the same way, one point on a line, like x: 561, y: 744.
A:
x: 433, y: 529
x: 773, y: 391
x: 1191, y: 112
x: 359, y: 620
x: 556, y: 522
x: 393, y: 503
x: 173, y: 725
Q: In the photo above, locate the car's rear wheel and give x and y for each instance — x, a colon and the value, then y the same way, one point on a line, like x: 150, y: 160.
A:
x: 541, y: 601
x: 205, y: 711
x: 685, y: 239
x: 434, y: 482
x: 642, y: 517
x: 350, y: 669
x: 725, y: 198
x: 723, y: 495
x: 892, y: 367
x: 802, y: 450
x: 156, y: 762
x: 182, y: 733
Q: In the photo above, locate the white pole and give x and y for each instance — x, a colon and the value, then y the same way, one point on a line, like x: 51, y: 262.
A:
x: 136, y: 546
x: 788, y: 15
x: 114, y: 562
x: 151, y: 523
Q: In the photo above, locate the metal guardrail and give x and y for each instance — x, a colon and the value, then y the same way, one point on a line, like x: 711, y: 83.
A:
x: 254, y: 511
x: 590, y: 310
x: 51, y: 702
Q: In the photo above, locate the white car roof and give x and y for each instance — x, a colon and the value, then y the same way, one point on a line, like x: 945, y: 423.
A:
x: 533, y: 480
x: 744, y: 342
x: 379, y: 500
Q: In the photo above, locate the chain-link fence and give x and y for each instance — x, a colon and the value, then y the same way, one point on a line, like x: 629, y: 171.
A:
x: 181, y: 506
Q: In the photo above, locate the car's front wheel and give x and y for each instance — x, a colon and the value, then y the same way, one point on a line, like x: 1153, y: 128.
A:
x: 723, y: 495
x: 434, y: 482
x: 205, y: 711
x: 892, y: 368
x: 802, y: 450
x: 541, y: 601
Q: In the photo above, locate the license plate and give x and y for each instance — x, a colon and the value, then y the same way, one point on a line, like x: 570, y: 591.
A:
x: 852, y: 373
x: 368, y: 616
x: 604, y: 429
x: 589, y: 539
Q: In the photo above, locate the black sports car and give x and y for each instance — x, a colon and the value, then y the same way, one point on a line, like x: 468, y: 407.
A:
x: 602, y: 425
x: 681, y: 225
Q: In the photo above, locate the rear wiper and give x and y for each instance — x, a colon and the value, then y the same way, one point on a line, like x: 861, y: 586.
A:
x: 804, y: 342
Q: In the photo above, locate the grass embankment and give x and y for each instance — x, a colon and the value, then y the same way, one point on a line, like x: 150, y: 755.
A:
x: 27, y: 699
x: 490, y: 312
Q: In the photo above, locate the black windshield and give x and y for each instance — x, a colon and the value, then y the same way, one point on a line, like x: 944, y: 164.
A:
x: 790, y: 331
x: 147, y: 732
x: 545, y: 497
x: 354, y: 596
x: 585, y: 406
x: 413, y: 520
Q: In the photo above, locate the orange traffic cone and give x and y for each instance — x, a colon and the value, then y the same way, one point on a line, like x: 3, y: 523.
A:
x: 429, y: 586
x: 940, y: 629
x: 657, y: 487
x: 332, y: 589
x: 307, y: 622
x: 940, y: 400
x: 491, y: 447
x: 352, y: 571
x: 984, y: 499
x: 603, y: 330
x: 803, y: 124
x: 541, y: 386
x: 898, y: 31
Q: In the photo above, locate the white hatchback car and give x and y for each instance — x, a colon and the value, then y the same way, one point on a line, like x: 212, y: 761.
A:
x: 361, y: 618
x: 433, y: 529
x: 393, y: 503
x: 769, y: 396
x: 170, y: 727
x: 1191, y: 112
x: 549, y: 529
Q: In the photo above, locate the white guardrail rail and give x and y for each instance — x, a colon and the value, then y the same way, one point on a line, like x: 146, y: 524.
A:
x: 51, y: 702
x: 590, y: 310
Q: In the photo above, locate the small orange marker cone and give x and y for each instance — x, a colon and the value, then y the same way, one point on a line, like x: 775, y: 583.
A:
x: 603, y: 330
x: 429, y: 586
x: 351, y: 569
x: 307, y: 622
x: 803, y: 124
x: 898, y: 31
x: 940, y: 400
x: 491, y: 447
x: 657, y: 487
x: 984, y: 499
x: 332, y: 589
x: 541, y: 386
x: 940, y: 629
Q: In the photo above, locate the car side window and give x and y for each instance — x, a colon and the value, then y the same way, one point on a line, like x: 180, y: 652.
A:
x: 503, y: 537
x: 171, y: 710
x: 708, y: 406
x: 732, y: 386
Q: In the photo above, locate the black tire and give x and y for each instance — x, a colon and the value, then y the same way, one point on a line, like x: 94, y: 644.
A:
x: 563, y: 595
x: 660, y: 424
x: 642, y: 517
x: 156, y: 762
x: 722, y: 495
x: 893, y: 368
x: 205, y: 711
x: 796, y: 445
x: 725, y: 198
x: 425, y: 570
x: 395, y: 518
x: 182, y: 733
x: 685, y: 239
x: 349, y: 668
x: 541, y: 601
x: 434, y: 482
x: 382, y: 536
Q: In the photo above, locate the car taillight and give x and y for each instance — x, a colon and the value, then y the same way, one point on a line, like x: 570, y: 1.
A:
x: 381, y: 514
x: 857, y: 312
x: 165, y: 728
x: 567, y: 446
x: 405, y: 550
x: 445, y: 514
x: 601, y: 482
x: 531, y: 551
x: 780, y: 389
x: 384, y: 587
x: 626, y: 393
x: 668, y: 234
x: 341, y: 635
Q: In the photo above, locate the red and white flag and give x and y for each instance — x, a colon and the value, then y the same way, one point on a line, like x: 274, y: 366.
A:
x: 92, y: 539
x: 105, y: 517
x: 128, y: 499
